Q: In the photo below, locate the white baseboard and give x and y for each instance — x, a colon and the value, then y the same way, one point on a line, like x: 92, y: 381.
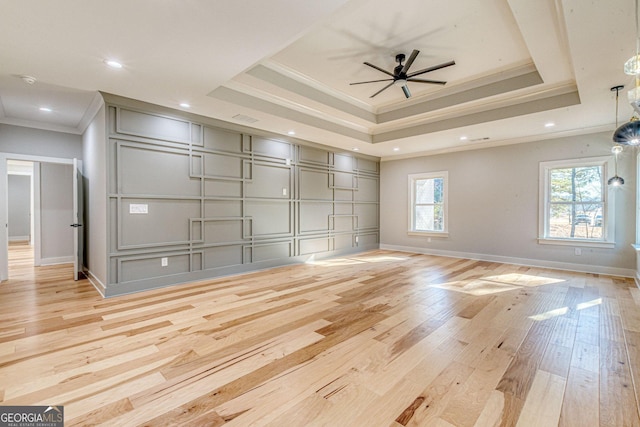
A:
x: 56, y: 260
x: 19, y: 238
x: 100, y: 287
x: 582, y: 268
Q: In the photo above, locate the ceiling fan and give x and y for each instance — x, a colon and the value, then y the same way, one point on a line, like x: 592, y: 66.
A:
x: 401, y: 75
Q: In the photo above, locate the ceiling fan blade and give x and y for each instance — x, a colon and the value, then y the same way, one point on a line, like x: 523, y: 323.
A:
x: 412, y: 58
x: 433, y: 82
x: 386, y: 87
x: 370, y: 81
x: 405, y: 89
x: 379, y: 69
x: 435, y: 67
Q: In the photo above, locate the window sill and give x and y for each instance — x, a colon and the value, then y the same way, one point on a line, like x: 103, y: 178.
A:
x: 429, y: 233
x: 575, y: 242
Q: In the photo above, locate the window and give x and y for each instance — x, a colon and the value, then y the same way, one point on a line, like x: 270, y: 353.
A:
x: 575, y: 205
x: 428, y: 204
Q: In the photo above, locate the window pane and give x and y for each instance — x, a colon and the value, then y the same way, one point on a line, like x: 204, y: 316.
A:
x: 429, y: 218
x: 581, y: 184
x: 429, y: 190
x: 580, y: 221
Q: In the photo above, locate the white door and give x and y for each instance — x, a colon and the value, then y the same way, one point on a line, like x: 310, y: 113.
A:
x: 78, y: 235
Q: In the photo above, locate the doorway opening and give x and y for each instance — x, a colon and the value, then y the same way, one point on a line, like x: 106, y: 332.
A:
x: 40, y: 234
x: 20, y: 223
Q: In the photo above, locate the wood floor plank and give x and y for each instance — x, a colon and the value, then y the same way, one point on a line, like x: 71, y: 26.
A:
x: 544, y: 402
x: 580, y: 406
x: 381, y: 338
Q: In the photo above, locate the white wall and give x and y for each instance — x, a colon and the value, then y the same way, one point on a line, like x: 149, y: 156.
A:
x: 56, y: 213
x: 94, y: 154
x: 493, y: 205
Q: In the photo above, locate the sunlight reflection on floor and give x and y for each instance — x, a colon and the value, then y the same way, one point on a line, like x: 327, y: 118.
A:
x: 353, y: 261
x: 476, y: 287
x: 498, y: 283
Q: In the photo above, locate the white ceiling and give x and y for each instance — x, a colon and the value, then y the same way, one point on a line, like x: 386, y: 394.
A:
x: 288, y: 64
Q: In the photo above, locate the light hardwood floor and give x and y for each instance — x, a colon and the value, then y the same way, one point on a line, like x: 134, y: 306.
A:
x: 379, y: 339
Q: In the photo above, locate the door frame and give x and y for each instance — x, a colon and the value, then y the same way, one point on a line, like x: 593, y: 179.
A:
x: 4, y: 203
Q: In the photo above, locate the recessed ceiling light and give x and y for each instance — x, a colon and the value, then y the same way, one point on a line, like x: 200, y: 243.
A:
x: 291, y: 132
x: 185, y: 105
x: 356, y: 149
x: 549, y: 124
x: 396, y: 149
x: 45, y: 109
x: 463, y: 138
x: 113, y: 64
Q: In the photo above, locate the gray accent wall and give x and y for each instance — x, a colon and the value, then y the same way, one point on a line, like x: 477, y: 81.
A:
x: 212, y: 201
x: 19, y: 199
x: 493, y: 204
x: 38, y: 142
x: 94, y: 171
x: 56, y: 213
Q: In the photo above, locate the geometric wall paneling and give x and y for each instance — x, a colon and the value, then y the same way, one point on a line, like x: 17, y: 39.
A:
x: 196, y: 164
x: 222, y: 230
x: 367, y: 214
x: 309, y: 246
x: 343, y: 223
x: 343, y: 241
x: 366, y: 166
x: 268, y: 218
x: 313, y: 185
x: 342, y: 195
x: 367, y: 189
x: 368, y: 239
x: 147, y: 170
x: 267, y: 251
x: 197, y: 230
x: 267, y: 180
x: 344, y: 162
x: 314, y: 217
x: 197, y: 261
x: 313, y: 156
x: 221, y: 166
x: 219, y: 208
x: 343, y: 208
x: 270, y: 148
x: 145, y: 267
x: 222, y: 188
x: 222, y: 140
x: 147, y: 125
x: 166, y: 221
x: 222, y: 256
x: 343, y: 181
x: 215, y: 201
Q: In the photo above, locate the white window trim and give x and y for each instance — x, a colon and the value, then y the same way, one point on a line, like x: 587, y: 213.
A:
x: 608, y: 207
x: 429, y: 175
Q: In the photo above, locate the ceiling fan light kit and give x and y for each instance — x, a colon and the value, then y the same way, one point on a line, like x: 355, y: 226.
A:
x: 401, y: 76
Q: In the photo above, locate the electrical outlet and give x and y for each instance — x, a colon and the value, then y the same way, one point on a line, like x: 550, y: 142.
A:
x: 164, y: 261
x: 284, y: 191
x: 288, y: 162
x: 356, y: 239
x: 578, y: 251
